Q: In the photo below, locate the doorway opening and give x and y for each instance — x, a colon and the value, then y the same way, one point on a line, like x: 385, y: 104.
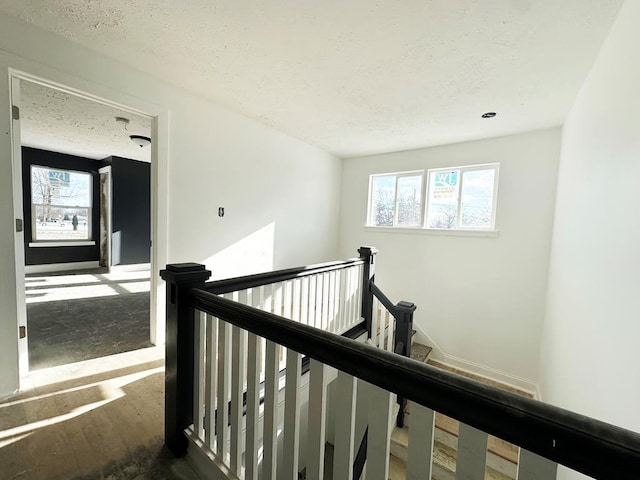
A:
x: 86, y: 204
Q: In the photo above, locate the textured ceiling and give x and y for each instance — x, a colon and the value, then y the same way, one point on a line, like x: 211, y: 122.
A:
x: 354, y: 77
x: 60, y: 122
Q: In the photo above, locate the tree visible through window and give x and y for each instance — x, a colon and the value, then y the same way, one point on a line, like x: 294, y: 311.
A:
x: 60, y: 204
x: 395, y: 200
x: 462, y: 197
x: 457, y: 198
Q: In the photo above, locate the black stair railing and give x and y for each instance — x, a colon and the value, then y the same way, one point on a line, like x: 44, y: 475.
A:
x: 584, y: 444
x: 402, y: 312
x: 182, y: 278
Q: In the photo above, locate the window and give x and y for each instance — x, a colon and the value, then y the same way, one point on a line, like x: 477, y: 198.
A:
x: 60, y: 204
x: 395, y: 200
x: 462, y: 198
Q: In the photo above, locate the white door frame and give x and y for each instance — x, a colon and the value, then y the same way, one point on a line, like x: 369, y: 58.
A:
x: 159, y: 205
x: 18, y: 213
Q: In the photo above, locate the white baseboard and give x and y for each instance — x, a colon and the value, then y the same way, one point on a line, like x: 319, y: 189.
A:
x: 205, y: 463
x: 439, y: 355
x: 137, y: 267
x: 538, y: 393
x: 60, y: 267
x: 490, y: 373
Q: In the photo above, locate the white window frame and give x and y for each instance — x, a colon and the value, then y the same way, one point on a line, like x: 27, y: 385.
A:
x: 63, y: 241
x: 414, y: 173
x: 462, y: 170
x: 424, y: 198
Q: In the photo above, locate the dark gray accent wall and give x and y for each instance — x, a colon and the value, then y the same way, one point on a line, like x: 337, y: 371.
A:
x: 130, y: 211
x: 46, y: 255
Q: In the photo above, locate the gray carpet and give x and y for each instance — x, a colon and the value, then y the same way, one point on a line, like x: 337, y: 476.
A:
x: 154, y: 462
x: 67, y: 331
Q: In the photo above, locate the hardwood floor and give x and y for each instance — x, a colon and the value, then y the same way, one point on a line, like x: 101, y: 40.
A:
x: 99, y: 419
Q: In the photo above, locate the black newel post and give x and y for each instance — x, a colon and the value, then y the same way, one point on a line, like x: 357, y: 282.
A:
x: 178, y: 394
x: 368, y: 274
x: 404, y: 332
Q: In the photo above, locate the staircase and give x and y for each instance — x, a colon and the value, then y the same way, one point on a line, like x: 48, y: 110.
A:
x: 502, y: 457
x: 239, y: 408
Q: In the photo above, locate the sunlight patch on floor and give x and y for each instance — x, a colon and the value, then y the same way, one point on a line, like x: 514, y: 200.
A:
x: 69, y: 293
x: 48, y: 376
x: 135, y: 287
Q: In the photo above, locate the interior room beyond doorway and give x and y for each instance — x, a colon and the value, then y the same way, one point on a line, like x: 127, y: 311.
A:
x: 86, y: 198
x: 77, y: 316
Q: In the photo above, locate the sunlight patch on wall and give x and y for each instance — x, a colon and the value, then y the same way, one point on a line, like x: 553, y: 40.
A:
x: 252, y: 254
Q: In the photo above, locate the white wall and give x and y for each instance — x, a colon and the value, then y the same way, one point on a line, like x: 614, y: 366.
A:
x: 590, y: 351
x: 481, y: 300
x: 281, y: 196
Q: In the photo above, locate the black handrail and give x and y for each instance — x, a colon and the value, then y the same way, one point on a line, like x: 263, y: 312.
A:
x: 229, y: 285
x: 584, y: 444
x: 384, y: 300
x: 403, y: 315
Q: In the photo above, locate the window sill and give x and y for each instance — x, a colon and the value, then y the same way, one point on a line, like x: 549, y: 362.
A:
x: 81, y: 243
x: 433, y: 231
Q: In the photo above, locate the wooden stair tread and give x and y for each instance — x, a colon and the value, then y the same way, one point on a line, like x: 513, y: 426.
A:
x: 486, y: 381
x: 447, y: 428
x: 497, y: 446
x: 444, y: 464
x: 420, y: 352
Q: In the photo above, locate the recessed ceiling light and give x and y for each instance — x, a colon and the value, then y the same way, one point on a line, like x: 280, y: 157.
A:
x: 489, y: 115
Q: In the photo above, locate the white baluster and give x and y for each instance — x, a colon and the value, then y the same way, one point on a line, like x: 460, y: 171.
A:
x: 237, y: 390
x: 326, y: 293
x: 288, y: 300
x: 296, y: 314
x: 353, y: 312
x: 278, y: 309
x: 472, y: 453
x: 388, y: 334
x: 420, y: 452
x: 379, y: 435
x: 313, y: 295
x: 305, y: 301
x: 291, y: 427
x: 359, y: 291
x: 317, y: 420
x: 254, y: 356
x: 334, y: 302
x: 199, y: 373
x: 270, y: 437
x: 535, y: 467
x: 375, y: 325
x: 211, y: 379
x: 391, y: 330
x: 345, y: 425
x: 266, y: 304
x: 277, y: 298
x: 347, y: 317
x: 222, y: 405
x: 342, y: 301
